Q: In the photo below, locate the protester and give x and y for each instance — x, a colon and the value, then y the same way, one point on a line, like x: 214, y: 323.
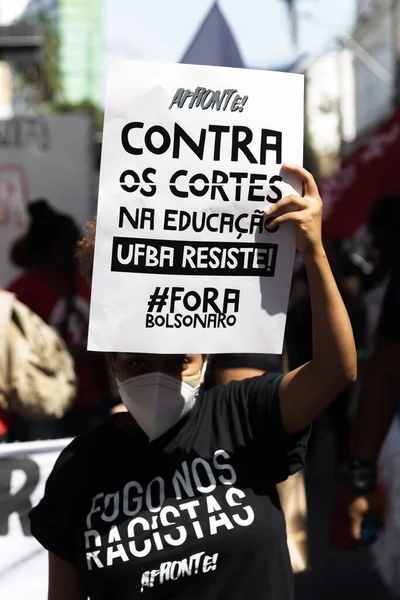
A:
x: 349, y: 278
x: 380, y: 393
x: 177, y: 497
x: 55, y: 290
x: 221, y: 370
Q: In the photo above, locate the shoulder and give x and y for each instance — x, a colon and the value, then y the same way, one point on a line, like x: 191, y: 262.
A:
x: 247, y: 414
x: 74, y: 469
x: 91, y: 441
x: 85, y: 449
x: 54, y: 520
x: 269, y: 382
x: 247, y: 403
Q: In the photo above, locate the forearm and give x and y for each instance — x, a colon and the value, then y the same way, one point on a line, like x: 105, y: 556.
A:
x: 334, y: 358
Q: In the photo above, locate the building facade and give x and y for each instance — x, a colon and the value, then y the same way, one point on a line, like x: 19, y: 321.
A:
x: 330, y: 107
x: 375, y: 33
x: 80, y: 34
x: 354, y: 90
x: 5, y: 91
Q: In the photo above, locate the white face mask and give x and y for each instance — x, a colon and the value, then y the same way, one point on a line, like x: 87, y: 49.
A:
x: 157, y: 401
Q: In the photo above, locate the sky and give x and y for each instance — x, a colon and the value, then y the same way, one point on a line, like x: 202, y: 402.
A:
x: 162, y: 29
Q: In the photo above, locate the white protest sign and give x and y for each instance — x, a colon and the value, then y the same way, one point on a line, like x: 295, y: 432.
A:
x: 191, y: 158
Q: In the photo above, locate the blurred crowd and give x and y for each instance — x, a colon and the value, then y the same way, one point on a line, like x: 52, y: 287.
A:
x: 53, y: 288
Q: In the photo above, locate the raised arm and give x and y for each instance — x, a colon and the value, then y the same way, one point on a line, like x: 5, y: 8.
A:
x: 305, y: 392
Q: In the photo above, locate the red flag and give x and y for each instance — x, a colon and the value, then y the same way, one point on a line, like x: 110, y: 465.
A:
x: 370, y: 172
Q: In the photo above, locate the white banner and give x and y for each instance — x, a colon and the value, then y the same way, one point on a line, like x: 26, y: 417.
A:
x: 192, y: 157
x: 24, y: 469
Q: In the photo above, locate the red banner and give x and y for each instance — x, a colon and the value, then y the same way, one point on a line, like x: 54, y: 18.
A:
x: 368, y: 173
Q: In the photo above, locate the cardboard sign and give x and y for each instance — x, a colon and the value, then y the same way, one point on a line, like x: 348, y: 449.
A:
x: 191, y: 158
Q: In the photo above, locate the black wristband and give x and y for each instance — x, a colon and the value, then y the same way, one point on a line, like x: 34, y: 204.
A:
x: 363, y: 476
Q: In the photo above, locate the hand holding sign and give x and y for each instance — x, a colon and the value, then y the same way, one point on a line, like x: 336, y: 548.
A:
x: 305, y: 211
x: 184, y: 258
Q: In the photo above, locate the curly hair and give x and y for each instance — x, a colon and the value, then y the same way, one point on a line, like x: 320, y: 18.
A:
x: 85, y: 251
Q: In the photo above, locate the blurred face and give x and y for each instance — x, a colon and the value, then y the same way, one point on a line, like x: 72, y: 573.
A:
x: 128, y: 365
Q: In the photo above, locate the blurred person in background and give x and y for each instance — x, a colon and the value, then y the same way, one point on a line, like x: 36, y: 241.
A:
x: 383, y: 233
x: 53, y: 288
x: 379, y: 398
x: 349, y: 278
x: 221, y: 370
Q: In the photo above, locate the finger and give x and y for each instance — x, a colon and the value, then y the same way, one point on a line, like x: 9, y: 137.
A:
x: 356, y: 519
x: 286, y: 218
x: 290, y: 207
x: 309, y: 181
x: 294, y: 201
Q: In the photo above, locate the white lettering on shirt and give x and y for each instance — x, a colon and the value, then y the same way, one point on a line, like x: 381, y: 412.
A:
x: 204, y: 512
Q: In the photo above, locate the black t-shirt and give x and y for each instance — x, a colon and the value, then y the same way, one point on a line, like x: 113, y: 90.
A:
x: 194, y: 514
x: 389, y: 324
